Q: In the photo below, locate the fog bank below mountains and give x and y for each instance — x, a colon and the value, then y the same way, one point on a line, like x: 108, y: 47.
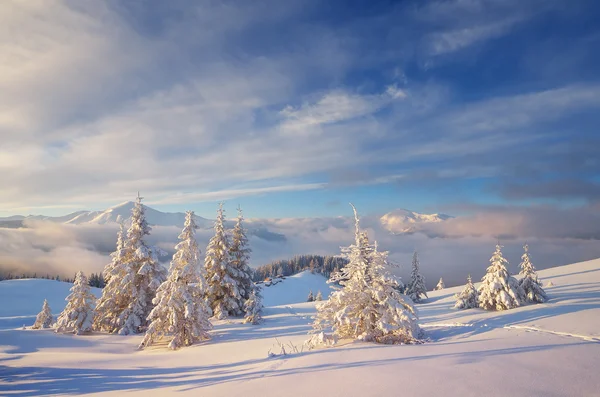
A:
x: 450, y: 249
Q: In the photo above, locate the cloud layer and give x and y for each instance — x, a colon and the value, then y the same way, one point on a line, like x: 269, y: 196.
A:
x: 201, y: 101
x: 450, y: 249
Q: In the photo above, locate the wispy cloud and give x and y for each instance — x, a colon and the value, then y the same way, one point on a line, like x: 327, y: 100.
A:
x: 445, y: 42
x: 233, y: 193
x: 336, y: 107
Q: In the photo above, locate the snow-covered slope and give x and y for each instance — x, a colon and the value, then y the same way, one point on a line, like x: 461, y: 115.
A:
x: 58, y: 219
x: 295, y: 289
x: 22, y: 299
x: 123, y: 210
x: 404, y: 221
x: 552, y: 349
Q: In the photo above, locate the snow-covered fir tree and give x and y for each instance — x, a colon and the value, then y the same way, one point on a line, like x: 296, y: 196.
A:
x: 440, y: 285
x: 181, y: 313
x: 44, y: 318
x: 133, y: 276
x: 113, y: 301
x: 223, y: 295
x: 468, y: 298
x: 311, y: 297
x: 78, y: 315
x: 319, y: 296
x: 253, y: 307
x: 499, y: 290
x: 239, y: 252
x: 531, y: 285
x: 311, y: 266
x: 416, y: 288
x: 367, y: 306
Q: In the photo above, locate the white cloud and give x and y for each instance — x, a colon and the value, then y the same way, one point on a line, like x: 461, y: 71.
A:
x: 335, y: 107
x: 96, y: 105
x: 59, y: 62
x: 450, y: 41
x: 232, y: 193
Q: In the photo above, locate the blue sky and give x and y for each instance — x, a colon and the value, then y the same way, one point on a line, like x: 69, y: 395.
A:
x: 296, y: 108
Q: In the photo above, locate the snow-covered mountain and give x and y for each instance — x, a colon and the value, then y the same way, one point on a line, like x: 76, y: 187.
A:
x: 110, y: 215
x: 404, y: 221
x: 398, y: 221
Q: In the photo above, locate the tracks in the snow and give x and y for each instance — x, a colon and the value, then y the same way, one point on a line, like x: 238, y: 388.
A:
x: 546, y: 331
x: 528, y: 328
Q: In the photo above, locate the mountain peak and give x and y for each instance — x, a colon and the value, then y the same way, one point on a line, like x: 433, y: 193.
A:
x: 404, y: 221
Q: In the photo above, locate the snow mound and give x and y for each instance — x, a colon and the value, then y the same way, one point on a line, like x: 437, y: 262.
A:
x: 24, y: 299
x: 295, y: 289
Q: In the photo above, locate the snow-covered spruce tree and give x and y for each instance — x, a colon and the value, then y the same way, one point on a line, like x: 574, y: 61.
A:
x: 440, y: 285
x: 113, y: 301
x: 499, y: 290
x: 311, y: 297
x: 468, y: 298
x: 239, y: 252
x: 416, y: 289
x: 253, y: 307
x: 319, y: 296
x: 367, y: 306
x: 222, y: 294
x: 78, y: 315
x: 531, y: 285
x: 44, y: 318
x: 133, y: 282
x: 181, y: 313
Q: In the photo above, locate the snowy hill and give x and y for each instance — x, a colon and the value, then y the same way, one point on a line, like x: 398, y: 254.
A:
x: 404, y: 221
x: 26, y: 297
x: 551, y: 349
x: 295, y: 289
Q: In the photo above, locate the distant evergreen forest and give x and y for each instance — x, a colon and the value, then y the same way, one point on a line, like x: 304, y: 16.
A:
x: 95, y: 279
x: 288, y: 267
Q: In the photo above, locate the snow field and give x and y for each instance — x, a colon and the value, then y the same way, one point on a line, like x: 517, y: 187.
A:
x: 549, y: 349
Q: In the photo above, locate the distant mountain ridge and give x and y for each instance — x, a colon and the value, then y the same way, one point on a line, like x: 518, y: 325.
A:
x: 153, y: 217
x: 397, y: 222
x: 404, y: 221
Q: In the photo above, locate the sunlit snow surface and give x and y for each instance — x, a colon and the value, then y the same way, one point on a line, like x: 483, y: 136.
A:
x: 551, y: 349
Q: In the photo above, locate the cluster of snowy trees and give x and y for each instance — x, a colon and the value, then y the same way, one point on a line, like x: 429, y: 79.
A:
x: 142, y: 297
x: 95, y: 279
x: 132, y: 279
x: 78, y: 315
x: 325, y: 265
x: 499, y: 289
x: 228, y: 275
x: 367, y: 305
x: 11, y: 276
x: 314, y: 298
